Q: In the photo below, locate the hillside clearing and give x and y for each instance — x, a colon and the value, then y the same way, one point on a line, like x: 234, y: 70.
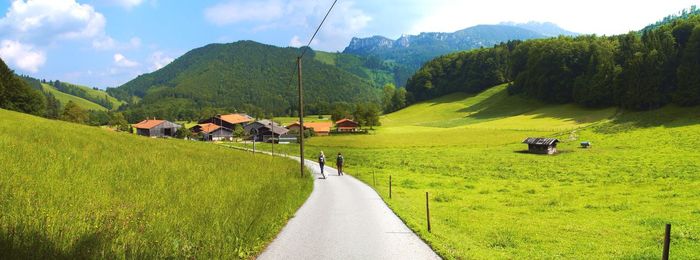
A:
x: 64, y: 98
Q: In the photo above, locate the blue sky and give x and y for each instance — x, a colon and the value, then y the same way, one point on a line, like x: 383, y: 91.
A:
x: 105, y: 43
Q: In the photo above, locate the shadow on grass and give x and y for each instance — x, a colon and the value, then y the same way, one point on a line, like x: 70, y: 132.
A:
x: 670, y: 116
x: 35, y: 245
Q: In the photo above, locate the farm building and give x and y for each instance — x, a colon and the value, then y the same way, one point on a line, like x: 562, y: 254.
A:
x: 262, y: 130
x: 213, y: 132
x: 320, y: 128
x: 347, y: 125
x: 541, y: 145
x: 156, y: 128
x: 228, y: 121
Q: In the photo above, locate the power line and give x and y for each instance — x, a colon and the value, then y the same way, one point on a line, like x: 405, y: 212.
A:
x: 317, y: 29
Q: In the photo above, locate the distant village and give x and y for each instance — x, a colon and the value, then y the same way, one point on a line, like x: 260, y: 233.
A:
x: 230, y: 127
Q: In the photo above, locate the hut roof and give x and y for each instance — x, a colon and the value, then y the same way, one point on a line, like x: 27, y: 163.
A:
x: 236, y: 118
x: 148, y: 124
x: 319, y: 127
x: 344, y: 120
x: 540, y: 141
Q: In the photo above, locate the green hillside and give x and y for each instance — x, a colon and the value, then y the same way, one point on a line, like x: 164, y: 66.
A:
x: 489, y: 199
x: 94, y: 94
x: 372, y: 69
x: 64, y: 98
x: 244, y: 76
x: 70, y: 191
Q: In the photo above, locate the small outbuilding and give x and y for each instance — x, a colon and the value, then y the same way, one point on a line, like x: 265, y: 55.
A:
x: 320, y: 128
x: 262, y: 130
x: 213, y: 132
x: 347, y: 126
x: 156, y: 128
x: 540, y: 145
x: 229, y: 120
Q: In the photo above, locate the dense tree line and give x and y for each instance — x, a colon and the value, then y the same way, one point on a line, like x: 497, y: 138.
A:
x: 638, y: 70
x: 102, y: 100
x: 17, y: 95
x: 471, y: 71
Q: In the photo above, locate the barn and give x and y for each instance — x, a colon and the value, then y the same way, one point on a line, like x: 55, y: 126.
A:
x: 320, y: 128
x: 262, y: 130
x: 539, y: 145
x: 229, y: 120
x: 347, y: 125
x: 213, y: 132
x: 156, y: 128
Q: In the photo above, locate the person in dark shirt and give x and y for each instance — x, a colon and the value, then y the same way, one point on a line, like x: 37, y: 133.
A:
x: 339, y: 161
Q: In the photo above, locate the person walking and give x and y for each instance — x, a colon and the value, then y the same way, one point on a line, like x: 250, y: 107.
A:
x: 322, y: 162
x: 339, y: 161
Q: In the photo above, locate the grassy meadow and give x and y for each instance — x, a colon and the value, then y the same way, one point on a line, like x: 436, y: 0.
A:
x: 489, y: 199
x: 64, y: 98
x: 70, y: 191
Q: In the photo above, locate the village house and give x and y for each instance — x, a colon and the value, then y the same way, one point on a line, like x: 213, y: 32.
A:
x: 213, y: 132
x: 347, y: 126
x: 228, y: 121
x: 262, y: 130
x: 320, y: 128
x: 156, y: 128
x: 541, y: 145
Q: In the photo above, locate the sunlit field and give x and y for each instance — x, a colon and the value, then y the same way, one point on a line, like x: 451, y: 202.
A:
x: 490, y: 199
x: 72, y: 191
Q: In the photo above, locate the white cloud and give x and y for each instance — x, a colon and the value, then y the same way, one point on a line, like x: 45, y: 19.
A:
x: 593, y: 16
x: 128, y: 4
x: 235, y: 11
x: 303, y: 16
x: 295, y: 42
x: 159, y: 60
x: 50, y: 20
x: 26, y: 57
x: 109, y: 43
x: 121, y: 61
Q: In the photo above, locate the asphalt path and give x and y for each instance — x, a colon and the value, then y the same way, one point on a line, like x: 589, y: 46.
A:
x: 345, y: 219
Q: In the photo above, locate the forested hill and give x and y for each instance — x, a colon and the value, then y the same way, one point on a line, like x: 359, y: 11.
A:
x: 244, y: 76
x: 17, y: 95
x: 412, y: 51
x: 639, y: 71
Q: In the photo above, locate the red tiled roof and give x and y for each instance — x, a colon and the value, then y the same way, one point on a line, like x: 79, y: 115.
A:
x: 209, y: 127
x: 344, y: 120
x: 236, y: 118
x: 319, y: 127
x: 148, y: 124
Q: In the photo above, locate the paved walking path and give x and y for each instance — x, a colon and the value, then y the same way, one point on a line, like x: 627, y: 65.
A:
x: 345, y: 219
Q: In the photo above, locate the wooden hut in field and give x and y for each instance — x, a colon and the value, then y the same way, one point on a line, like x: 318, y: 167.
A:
x: 541, y: 145
x: 156, y: 128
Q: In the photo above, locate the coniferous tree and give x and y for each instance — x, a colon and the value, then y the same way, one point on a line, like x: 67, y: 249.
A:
x: 688, y: 92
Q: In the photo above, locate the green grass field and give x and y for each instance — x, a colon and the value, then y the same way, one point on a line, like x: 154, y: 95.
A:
x: 64, y: 98
x: 313, y: 118
x: 490, y: 200
x: 101, y: 95
x: 70, y: 191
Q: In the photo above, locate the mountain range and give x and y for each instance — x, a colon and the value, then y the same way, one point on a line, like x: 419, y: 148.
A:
x: 412, y: 51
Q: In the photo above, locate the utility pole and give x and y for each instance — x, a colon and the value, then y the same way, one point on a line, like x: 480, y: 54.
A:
x: 301, y: 116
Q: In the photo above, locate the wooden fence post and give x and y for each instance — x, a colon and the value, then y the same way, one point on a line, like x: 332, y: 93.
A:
x: 427, y: 210
x: 374, y: 180
x: 667, y: 242
x: 390, y: 186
